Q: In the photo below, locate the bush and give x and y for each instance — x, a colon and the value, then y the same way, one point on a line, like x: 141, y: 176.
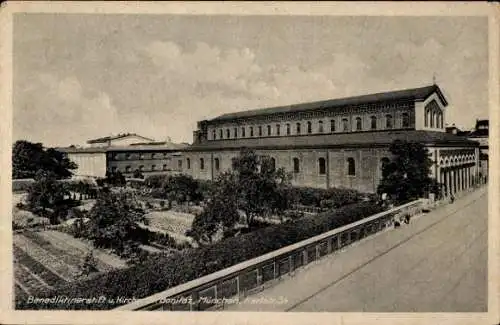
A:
x: 165, y: 271
x: 22, y: 185
x: 326, y: 198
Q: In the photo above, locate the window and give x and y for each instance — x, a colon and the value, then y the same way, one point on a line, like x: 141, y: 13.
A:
x: 251, y: 131
x: 426, y: 122
x: 228, y: 133
x: 235, y: 132
x: 188, y: 163
x: 127, y: 169
x: 298, y: 128
x: 309, y: 127
x: 243, y: 132
x: 278, y: 129
x: 383, y: 162
x: 320, y: 127
x: 260, y: 131
x: 405, y: 120
x: 202, y: 163
x: 288, y: 131
x: 268, y: 130
x: 437, y: 119
x: 221, y: 135
x: 388, y: 121
x: 153, y: 167
x: 441, y: 119
x: 128, y: 156
x: 164, y: 167
x: 373, y: 122
x: 345, y: 125
x: 179, y: 164
x: 433, y: 116
x: 216, y: 164
x: 214, y: 134
x: 273, y: 163
x: 296, y: 166
x: 351, y: 167
x: 322, y: 166
x: 359, y: 124
x: 141, y: 168
x: 332, y: 126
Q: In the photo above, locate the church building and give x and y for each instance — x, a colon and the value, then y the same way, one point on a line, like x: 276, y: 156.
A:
x: 339, y: 142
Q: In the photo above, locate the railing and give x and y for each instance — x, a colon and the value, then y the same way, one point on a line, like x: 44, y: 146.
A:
x: 232, y: 284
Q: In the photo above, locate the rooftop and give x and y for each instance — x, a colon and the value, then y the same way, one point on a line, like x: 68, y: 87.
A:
x: 136, y: 147
x: 416, y: 94
x: 115, y: 137
x: 340, y: 140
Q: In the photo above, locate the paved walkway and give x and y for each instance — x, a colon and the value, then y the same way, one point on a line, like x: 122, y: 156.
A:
x: 437, y: 263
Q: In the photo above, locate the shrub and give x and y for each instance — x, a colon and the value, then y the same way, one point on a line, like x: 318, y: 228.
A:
x: 162, y: 271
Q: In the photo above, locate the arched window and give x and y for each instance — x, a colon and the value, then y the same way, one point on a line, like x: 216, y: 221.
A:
x: 322, y: 166
x: 268, y: 130
x: 332, y: 126
x: 433, y: 117
x: 164, y: 167
x: 243, y: 132
x: 221, y: 134
x: 388, y: 121
x: 235, y: 132
x: 216, y: 164
x: 188, y: 163
x: 288, y: 130
x: 214, y: 134
x: 296, y: 165
x: 228, y: 133
x: 141, y: 168
x: 359, y: 124
x: 127, y: 169
x: 427, y: 112
x: 373, y: 122
x: 351, y: 167
x: 298, y: 128
x: 179, y: 164
x: 278, y: 129
x: 251, y: 131
x: 202, y: 163
x: 405, y: 120
x: 320, y: 127
x: 441, y: 120
x: 260, y: 131
x: 273, y: 163
x: 345, y: 125
x: 309, y: 127
x: 153, y: 167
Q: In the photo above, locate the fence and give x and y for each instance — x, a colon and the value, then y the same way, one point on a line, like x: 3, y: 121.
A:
x: 212, y: 291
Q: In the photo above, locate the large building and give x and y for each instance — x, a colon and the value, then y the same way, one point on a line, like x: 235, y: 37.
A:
x: 339, y: 142
x: 125, y: 153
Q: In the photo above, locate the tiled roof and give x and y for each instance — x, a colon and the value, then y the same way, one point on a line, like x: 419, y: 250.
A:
x: 164, y: 147
x: 119, y: 136
x: 417, y: 94
x: 341, y: 140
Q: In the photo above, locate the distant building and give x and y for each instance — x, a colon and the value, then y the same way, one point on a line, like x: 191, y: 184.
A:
x: 481, y: 135
x: 339, y: 142
x: 118, y: 140
x: 125, y: 153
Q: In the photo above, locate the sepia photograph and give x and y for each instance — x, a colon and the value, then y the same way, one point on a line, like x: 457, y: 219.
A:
x: 249, y: 162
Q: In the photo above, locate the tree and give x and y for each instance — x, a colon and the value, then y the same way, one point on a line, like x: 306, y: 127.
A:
x: 182, y: 188
x: 254, y: 187
x: 28, y: 158
x: 46, y: 193
x: 407, y: 175
x: 138, y: 174
x: 261, y: 188
x: 113, y: 220
x: 220, y: 213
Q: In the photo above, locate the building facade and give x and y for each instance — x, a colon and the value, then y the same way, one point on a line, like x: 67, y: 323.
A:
x: 337, y: 143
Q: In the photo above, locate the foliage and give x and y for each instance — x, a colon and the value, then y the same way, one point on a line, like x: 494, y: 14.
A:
x: 166, y: 271
x: 28, y: 158
x: 407, y: 175
x: 113, y: 220
x: 115, y: 178
x: 89, y: 265
x: 138, y: 174
x: 327, y: 198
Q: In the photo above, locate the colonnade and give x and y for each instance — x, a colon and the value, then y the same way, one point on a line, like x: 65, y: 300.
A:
x: 457, y: 178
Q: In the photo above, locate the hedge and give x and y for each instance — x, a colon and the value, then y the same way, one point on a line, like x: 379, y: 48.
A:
x: 163, y: 271
x: 326, y: 198
x: 22, y: 185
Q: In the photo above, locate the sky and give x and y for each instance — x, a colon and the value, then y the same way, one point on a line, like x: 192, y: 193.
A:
x: 83, y: 76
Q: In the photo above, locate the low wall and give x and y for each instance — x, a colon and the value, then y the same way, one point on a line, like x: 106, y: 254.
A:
x: 240, y: 280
